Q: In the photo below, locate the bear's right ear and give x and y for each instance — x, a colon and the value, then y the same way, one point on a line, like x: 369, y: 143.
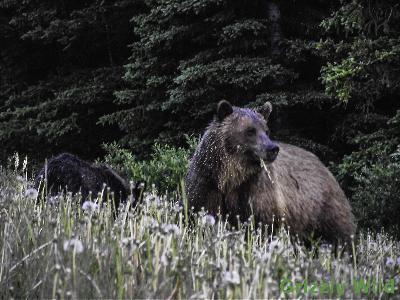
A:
x: 266, y: 110
x: 224, y: 109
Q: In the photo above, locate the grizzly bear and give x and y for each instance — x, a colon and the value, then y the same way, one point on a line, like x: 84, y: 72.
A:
x: 237, y: 170
x: 70, y: 173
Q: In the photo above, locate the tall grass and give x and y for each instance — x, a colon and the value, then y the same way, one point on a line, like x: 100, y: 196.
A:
x: 160, y: 249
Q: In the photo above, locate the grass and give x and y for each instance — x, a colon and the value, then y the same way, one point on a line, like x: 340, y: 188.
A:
x: 58, y: 250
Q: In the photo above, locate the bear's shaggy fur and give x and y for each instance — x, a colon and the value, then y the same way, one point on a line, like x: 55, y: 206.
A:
x: 226, y: 175
x: 68, y: 172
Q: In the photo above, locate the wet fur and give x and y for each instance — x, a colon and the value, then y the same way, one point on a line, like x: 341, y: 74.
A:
x: 302, y: 190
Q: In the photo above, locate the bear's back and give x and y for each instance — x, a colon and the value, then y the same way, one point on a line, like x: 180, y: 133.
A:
x: 304, y: 192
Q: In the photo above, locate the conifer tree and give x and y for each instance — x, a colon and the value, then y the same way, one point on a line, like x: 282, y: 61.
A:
x: 60, y: 62
x: 191, y: 54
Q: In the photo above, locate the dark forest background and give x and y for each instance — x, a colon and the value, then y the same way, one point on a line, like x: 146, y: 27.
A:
x: 79, y: 74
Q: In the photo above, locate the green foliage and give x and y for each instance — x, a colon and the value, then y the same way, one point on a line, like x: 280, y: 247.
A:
x: 364, y: 45
x: 374, y: 186
x: 191, y: 54
x: 61, y: 114
x: 362, y: 48
x: 166, y: 168
x: 338, y: 78
x: 371, y: 176
x: 60, y: 63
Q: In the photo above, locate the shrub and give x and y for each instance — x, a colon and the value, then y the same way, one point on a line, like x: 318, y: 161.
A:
x: 165, y: 169
x: 372, y: 179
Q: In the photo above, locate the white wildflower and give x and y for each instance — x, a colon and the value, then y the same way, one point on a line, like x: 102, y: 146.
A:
x: 125, y: 241
x: 171, y: 228
x: 141, y: 185
x: 177, y: 208
x: 208, y: 220
x: 129, y: 243
x: 398, y: 261
x: 89, y: 206
x: 390, y: 262
x: 21, y: 179
x: 150, y: 222
x: 53, y: 200
x: 151, y: 199
x: 262, y: 256
x: 325, y: 249
x: 164, y: 259
x: 73, y: 245
x: 31, y: 193
x: 231, y: 277
x: 273, y: 244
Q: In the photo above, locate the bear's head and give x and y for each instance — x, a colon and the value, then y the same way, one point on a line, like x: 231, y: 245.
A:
x: 245, y: 132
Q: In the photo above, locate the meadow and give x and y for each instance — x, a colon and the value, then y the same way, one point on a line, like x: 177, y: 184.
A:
x: 161, y: 249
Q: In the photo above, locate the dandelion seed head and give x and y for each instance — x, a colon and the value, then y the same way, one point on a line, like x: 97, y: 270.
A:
x: 21, y: 179
x: 208, y: 220
x: 31, y: 193
x: 397, y: 279
x: 73, y: 245
x: 390, y: 262
x: 125, y: 241
x: 89, y: 206
x: 164, y: 259
x: 54, y: 200
x: 324, y: 249
x: 231, y: 277
x: 150, y: 222
x: 177, y: 208
x: 171, y: 229
x: 151, y: 199
x: 262, y: 257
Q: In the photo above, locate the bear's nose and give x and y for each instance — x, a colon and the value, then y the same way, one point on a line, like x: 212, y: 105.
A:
x: 272, y: 152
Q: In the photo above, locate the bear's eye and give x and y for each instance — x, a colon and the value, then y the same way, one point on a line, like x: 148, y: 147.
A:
x: 251, y: 131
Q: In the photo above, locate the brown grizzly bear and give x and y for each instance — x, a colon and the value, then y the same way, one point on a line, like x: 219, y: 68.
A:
x: 69, y: 172
x: 237, y: 170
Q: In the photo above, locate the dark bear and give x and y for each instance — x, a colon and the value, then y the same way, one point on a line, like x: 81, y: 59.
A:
x: 237, y: 170
x: 70, y: 173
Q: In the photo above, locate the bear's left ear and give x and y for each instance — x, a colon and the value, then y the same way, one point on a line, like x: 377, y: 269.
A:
x: 265, y: 110
x: 224, y: 109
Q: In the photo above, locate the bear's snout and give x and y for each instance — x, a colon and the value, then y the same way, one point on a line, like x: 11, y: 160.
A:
x: 272, y: 151
x: 269, y: 148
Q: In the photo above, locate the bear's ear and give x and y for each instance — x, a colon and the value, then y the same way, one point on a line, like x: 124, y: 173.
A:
x: 265, y: 110
x: 224, y: 109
